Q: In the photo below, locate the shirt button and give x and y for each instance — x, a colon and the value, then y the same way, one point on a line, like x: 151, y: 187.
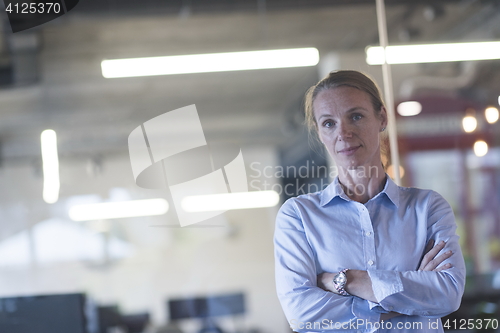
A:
x: 368, y: 233
x: 391, y: 308
x: 370, y: 262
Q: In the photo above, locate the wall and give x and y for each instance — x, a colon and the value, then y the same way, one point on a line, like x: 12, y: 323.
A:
x: 161, y: 259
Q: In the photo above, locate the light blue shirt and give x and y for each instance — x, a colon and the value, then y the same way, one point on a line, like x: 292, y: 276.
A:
x: 327, y: 232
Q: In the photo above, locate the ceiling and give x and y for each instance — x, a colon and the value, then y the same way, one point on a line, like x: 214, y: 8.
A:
x: 57, y: 81
x: 50, y: 77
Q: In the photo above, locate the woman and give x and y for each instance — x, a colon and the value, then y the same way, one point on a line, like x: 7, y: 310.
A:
x: 365, y: 223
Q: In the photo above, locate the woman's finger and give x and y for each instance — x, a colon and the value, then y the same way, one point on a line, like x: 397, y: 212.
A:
x: 431, y: 254
x: 431, y: 265
x: 429, y: 246
x: 440, y: 268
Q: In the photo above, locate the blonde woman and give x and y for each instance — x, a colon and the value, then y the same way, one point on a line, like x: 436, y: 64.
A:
x: 364, y: 255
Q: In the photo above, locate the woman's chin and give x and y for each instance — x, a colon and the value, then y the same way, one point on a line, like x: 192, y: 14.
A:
x: 351, y: 164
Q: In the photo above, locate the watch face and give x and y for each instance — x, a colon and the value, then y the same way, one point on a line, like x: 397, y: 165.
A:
x: 340, y: 278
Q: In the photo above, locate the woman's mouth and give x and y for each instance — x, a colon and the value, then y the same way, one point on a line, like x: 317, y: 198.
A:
x: 349, y: 150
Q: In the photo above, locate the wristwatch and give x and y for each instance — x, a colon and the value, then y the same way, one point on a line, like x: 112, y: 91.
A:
x: 339, y: 282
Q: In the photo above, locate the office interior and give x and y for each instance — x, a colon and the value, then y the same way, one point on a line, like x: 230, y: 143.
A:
x: 149, y: 273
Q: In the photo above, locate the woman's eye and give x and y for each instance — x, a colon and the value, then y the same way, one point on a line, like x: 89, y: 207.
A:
x: 328, y: 123
x: 357, y: 117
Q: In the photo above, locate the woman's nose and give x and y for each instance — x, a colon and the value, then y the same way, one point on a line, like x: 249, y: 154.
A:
x: 345, y: 131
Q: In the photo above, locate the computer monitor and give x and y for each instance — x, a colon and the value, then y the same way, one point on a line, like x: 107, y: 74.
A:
x: 109, y: 316
x: 64, y: 313
x: 225, y: 305
x: 136, y: 323
x: 187, y: 308
x: 207, y: 308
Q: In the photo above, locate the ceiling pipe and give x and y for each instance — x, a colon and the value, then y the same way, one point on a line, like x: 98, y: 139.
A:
x: 467, y: 75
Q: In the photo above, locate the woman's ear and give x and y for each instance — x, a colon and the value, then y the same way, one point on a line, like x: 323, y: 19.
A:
x: 383, y: 118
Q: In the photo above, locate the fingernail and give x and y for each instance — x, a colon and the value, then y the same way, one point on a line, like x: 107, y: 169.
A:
x: 441, y: 242
x: 449, y: 252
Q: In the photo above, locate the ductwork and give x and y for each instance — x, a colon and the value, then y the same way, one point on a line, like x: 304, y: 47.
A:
x: 409, y: 86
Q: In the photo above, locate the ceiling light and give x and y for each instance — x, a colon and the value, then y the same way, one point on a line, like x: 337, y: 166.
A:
x: 424, y: 53
x: 410, y: 108
x: 212, y: 62
x: 480, y: 148
x: 115, y: 210
x: 491, y: 114
x: 229, y: 201
x: 50, y: 161
x: 469, y: 123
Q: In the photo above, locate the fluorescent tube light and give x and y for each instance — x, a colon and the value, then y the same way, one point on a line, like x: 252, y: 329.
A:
x: 212, y: 62
x: 116, y: 210
x: 229, y: 201
x: 424, y: 53
x: 50, y: 162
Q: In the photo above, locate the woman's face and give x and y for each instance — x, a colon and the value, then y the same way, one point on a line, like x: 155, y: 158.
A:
x: 349, y: 127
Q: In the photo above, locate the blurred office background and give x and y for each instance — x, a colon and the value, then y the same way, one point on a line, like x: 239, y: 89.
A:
x: 51, y: 78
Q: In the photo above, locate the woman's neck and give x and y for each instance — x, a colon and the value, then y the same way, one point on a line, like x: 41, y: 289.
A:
x: 362, y: 183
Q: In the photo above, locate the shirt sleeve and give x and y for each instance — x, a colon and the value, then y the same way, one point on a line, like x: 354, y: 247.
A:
x: 307, y: 307
x: 426, y: 293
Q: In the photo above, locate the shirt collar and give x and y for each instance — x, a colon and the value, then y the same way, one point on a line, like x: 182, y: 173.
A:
x: 391, y: 190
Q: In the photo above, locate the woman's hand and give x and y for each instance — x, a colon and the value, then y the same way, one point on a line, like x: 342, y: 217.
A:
x: 430, y: 262
x: 325, y: 281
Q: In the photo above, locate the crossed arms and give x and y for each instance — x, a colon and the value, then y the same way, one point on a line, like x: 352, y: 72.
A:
x: 433, y: 289
x: 359, y: 282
